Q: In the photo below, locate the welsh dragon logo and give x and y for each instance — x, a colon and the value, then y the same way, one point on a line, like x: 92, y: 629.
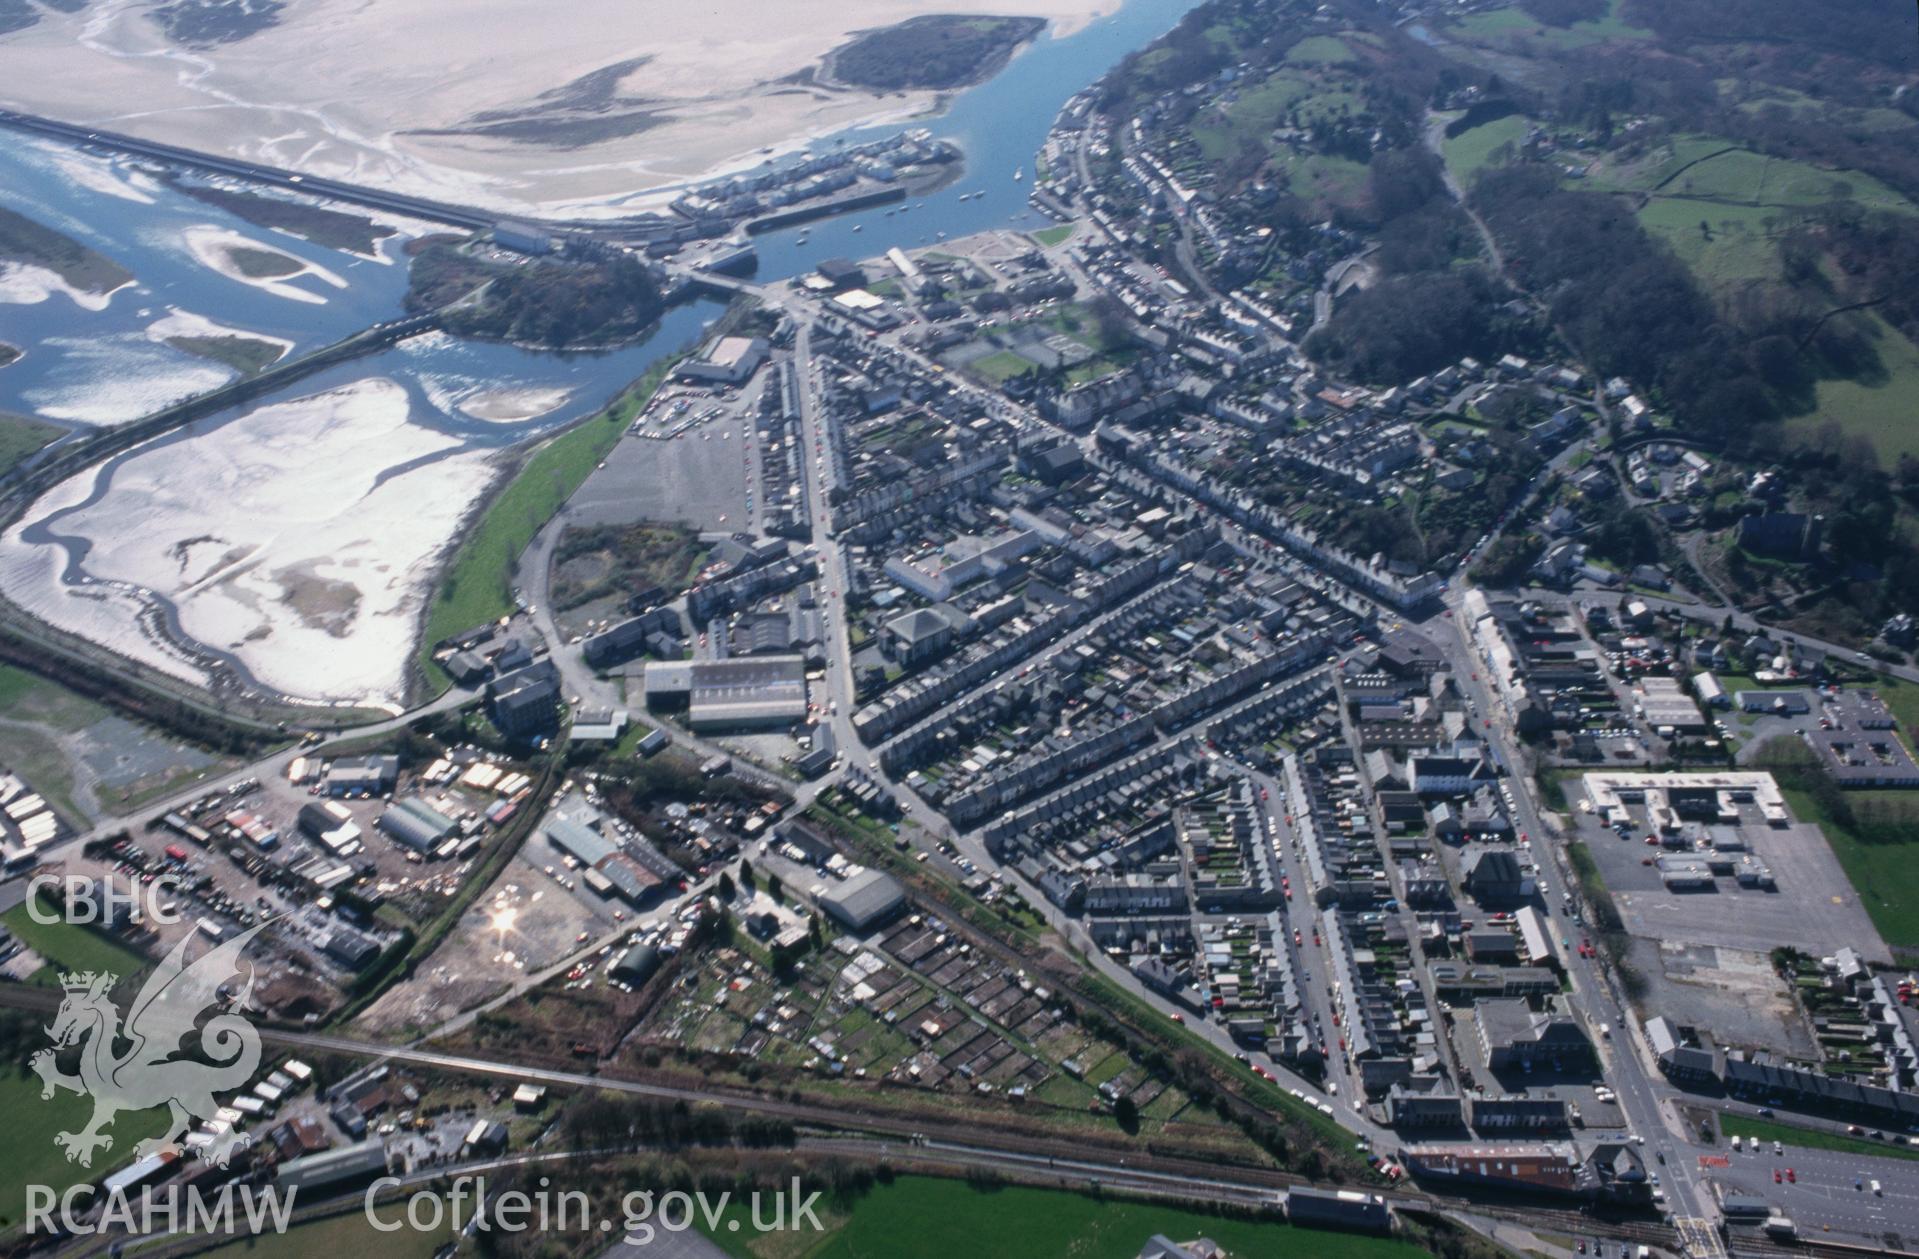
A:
x: 151, y: 1072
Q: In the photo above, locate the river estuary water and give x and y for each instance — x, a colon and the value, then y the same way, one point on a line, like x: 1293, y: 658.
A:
x: 295, y: 538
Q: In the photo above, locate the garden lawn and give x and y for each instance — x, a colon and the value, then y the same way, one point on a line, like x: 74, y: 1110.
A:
x: 1002, y: 366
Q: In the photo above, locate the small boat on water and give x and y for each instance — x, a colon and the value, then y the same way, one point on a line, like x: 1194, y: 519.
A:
x: 1019, y: 173
x: 856, y: 227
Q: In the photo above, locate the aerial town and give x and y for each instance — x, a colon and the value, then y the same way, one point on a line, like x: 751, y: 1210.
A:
x: 1041, y: 705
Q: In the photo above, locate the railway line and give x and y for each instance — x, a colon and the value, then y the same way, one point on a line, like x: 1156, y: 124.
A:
x: 877, y: 1134
x: 473, y: 218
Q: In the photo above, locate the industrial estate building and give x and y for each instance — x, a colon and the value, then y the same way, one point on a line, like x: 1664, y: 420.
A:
x: 742, y: 693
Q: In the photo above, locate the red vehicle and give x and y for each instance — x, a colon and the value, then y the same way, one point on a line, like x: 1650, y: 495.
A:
x: 1792, y: 1175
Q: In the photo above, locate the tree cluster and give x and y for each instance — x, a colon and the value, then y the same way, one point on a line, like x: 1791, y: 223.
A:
x: 1626, y: 302
x: 604, y: 1120
x: 1408, y: 325
x: 1507, y: 560
x: 1420, y: 226
x: 555, y: 304
x: 1564, y: 12
x: 935, y: 51
x: 1874, y: 252
x: 1850, y: 28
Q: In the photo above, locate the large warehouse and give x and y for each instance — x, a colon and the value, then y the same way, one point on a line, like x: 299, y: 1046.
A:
x: 416, y: 824
x: 864, y: 900
x: 610, y: 869
x: 730, y: 361
x: 736, y: 694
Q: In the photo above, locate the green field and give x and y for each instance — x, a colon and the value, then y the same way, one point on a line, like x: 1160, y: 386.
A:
x: 1881, y: 410
x: 1736, y: 245
x: 1806, y: 1138
x: 1047, y: 237
x: 348, y: 1232
x: 1720, y: 172
x: 919, y: 1217
x: 1327, y: 180
x: 40, y: 706
x: 1511, y: 28
x: 478, y: 584
x: 27, y: 696
x: 1642, y: 171
x: 1469, y: 151
x: 1903, y: 699
x: 1742, y: 177
x: 69, y: 947
x: 1320, y: 50
x: 20, y: 437
x: 30, y: 1157
x: 1001, y: 366
x: 1886, y: 876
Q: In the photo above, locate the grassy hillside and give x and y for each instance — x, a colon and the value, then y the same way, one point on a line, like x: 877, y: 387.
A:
x: 1470, y: 151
